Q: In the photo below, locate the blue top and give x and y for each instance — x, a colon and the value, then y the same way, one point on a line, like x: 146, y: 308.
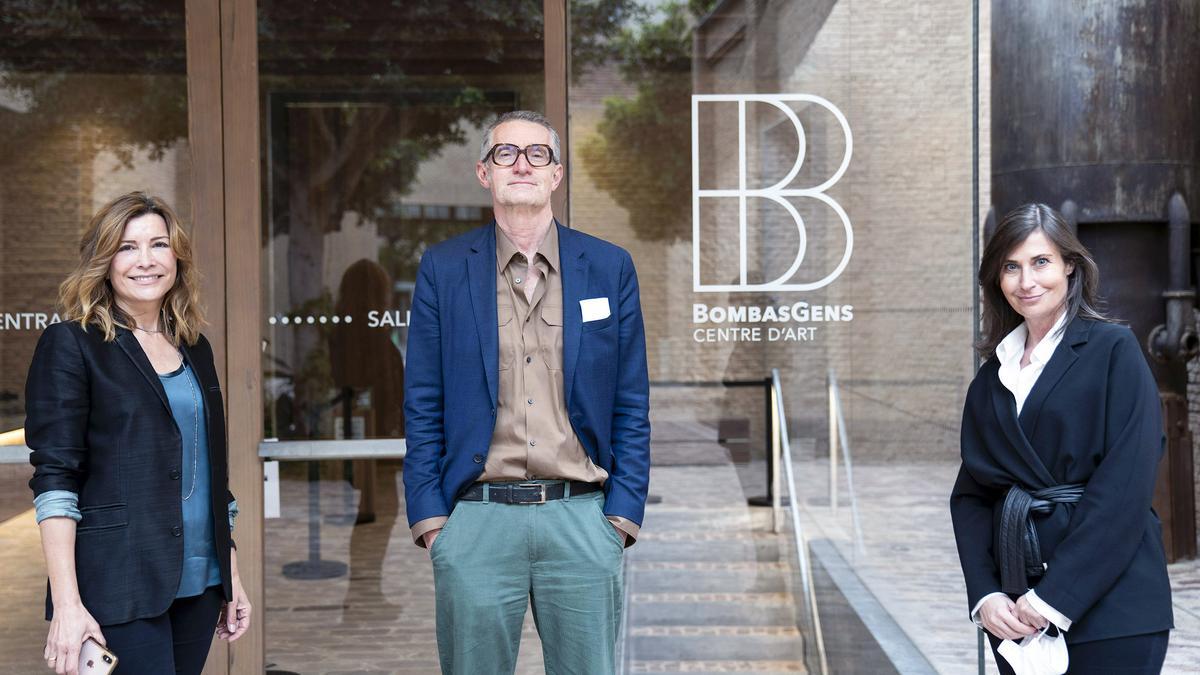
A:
x: 200, y: 568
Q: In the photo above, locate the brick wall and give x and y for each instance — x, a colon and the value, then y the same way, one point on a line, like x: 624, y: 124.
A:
x: 51, y: 184
x: 901, y: 74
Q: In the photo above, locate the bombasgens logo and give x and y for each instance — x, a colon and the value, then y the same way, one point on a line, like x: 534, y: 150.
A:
x: 778, y: 193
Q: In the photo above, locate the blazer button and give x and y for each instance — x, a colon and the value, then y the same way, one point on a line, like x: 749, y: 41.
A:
x: 478, y: 459
x: 174, y: 474
x: 177, y: 531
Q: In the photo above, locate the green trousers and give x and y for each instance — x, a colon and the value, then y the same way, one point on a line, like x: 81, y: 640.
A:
x: 491, y: 560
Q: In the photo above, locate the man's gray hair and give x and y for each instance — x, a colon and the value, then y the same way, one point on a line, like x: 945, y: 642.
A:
x: 520, y: 116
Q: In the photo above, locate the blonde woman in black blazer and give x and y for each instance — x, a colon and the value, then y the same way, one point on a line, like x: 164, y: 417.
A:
x: 126, y: 423
x: 1061, y: 438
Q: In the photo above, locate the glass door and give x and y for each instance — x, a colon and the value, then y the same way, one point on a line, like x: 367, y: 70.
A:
x: 371, y: 116
x: 93, y: 104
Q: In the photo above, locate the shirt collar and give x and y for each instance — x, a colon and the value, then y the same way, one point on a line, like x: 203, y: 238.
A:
x: 548, y: 250
x: 1012, y: 346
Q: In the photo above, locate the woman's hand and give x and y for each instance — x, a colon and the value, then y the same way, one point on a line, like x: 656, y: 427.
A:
x: 1000, y: 617
x: 1028, y: 615
x: 234, y: 620
x: 71, y: 625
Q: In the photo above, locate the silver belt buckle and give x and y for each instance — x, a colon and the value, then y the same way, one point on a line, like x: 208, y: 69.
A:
x: 541, y: 491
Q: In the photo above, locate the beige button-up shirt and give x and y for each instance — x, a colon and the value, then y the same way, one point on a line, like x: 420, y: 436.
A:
x: 533, y: 437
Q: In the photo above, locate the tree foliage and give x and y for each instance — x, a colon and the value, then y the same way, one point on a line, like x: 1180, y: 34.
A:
x: 639, y: 153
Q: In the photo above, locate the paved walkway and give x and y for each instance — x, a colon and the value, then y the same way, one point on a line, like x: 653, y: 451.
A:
x: 379, y: 617
x: 708, y: 589
x: 911, y: 566
x: 709, y: 586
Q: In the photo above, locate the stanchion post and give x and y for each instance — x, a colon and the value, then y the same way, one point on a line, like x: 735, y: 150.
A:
x: 833, y: 444
x: 776, y: 515
x: 771, y: 446
x: 979, y: 645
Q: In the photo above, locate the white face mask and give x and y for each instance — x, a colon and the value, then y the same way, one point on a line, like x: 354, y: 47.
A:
x: 1037, y: 654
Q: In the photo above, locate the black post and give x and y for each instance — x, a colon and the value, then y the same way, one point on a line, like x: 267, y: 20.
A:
x: 768, y: 436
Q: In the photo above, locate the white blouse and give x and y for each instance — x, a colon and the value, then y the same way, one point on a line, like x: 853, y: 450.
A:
x: 1020, y: 382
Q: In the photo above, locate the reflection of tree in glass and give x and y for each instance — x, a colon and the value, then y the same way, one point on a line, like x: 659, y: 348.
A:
x: 362, y: 94
x: 314, y: 390
x: 639, y: 153
x: 97, y: 68
x: 595, y: 28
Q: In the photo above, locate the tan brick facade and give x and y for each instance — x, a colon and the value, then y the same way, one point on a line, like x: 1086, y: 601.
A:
x: 53, y: 182
x: 905, y: 359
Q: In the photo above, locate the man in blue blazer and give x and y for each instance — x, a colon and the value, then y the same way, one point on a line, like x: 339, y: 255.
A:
x: 527, y: 408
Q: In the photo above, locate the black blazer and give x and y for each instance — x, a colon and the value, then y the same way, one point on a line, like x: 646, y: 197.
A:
x: 1093, y: 417
x: 99, y: 424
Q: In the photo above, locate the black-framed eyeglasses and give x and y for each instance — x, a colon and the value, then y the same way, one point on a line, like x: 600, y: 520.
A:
x: 537, y: 154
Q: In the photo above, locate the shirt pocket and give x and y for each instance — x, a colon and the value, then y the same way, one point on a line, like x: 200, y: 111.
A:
x: 550, y: 336
x: 508, y: 347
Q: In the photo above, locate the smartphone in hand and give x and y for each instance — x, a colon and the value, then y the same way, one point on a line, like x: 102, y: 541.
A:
x: 96, y: 660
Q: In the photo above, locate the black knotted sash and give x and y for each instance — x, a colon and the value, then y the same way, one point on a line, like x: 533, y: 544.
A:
x: 1020, y: 553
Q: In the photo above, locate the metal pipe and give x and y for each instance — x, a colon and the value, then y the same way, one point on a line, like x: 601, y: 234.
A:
x: 776, y: 513
x: 859, y: 546
x: 1177, y: 339
x: 833, y: 443
x: 975, y: 205
x: 806, y: 580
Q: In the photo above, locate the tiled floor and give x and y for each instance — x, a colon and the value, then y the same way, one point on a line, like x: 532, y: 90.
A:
x: 911, y: 566
x: 379, y: 616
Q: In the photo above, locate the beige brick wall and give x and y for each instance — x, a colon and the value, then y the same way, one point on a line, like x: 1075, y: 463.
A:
x: 901, y: 73
x: 51, y: 184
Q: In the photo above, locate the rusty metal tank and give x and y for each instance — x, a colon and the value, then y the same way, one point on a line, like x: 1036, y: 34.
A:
x: 1096, y: 111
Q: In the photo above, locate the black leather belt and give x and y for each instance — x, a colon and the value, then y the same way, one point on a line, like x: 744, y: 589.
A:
x: 1020, y: 553
x: 526, y: 493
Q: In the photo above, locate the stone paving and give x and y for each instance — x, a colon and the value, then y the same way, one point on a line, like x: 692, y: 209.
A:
x: 22, y: 595
x: 911, y: 566
x: 708, y: 590
x: 708, y: 585
x: 379, y: 618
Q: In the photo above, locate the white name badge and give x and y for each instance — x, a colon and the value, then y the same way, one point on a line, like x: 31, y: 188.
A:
x: 594, y: 309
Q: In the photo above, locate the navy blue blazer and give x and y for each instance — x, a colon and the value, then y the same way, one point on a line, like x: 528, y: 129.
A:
x: 451, y: 374
x: 1093, y: 417
x: 99, y: 423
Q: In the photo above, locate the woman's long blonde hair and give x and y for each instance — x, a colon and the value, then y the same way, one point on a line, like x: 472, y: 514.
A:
x: 87, y: 296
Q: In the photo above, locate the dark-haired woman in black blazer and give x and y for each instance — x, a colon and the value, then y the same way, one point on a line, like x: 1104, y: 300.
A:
x: 126, y: 422
x: 1061, y: 439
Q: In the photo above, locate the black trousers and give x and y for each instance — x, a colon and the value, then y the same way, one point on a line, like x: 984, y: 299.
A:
x: 174, y: 642
x: 1133, y: 655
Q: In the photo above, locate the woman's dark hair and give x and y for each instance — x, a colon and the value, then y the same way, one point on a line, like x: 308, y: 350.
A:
x: 999, y: 318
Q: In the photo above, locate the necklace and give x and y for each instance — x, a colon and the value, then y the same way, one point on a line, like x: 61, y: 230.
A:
x: 145, y: 330
x: 195, y: 432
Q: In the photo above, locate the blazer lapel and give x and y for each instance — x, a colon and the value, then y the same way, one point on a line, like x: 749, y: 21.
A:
x: 1005, y: 408
x: 481, y: 275
x: 1060, y: 362
x: 574, y: 285
x: 133, y: 349
x: 201, y: 375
